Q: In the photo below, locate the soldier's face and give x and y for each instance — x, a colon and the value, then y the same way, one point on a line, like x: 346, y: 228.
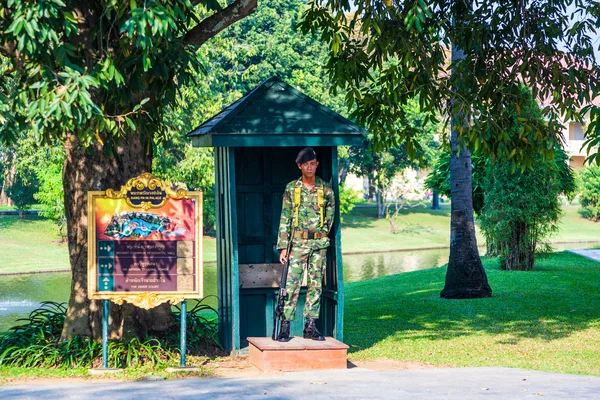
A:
x: 309, y: 168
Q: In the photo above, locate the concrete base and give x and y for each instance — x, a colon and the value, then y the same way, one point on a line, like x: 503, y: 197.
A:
x: 104, y: 371
x: 298, y: 354
x: 183, y: 369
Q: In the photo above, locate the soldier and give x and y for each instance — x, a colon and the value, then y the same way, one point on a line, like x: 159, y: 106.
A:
x: 307, y: 211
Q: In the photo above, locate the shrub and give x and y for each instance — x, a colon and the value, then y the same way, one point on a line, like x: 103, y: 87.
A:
x: 589, y: 192
x: 348, y: 199
x: 21, y: 191
x: 50, y: 193
x: 521, y: 207
x: 36, y: 343
x: 521, y: 211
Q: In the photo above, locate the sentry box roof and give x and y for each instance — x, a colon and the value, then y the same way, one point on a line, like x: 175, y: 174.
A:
x: 275, y: 114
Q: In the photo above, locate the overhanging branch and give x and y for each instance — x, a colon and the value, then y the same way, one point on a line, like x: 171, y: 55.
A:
x: 214, y: 24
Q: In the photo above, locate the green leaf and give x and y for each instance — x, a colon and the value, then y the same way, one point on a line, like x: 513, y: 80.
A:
x: 131, y: 124
x: 146, y: 62
x: 30, y: 31
x: 66, y: 109
x: 37, y: 85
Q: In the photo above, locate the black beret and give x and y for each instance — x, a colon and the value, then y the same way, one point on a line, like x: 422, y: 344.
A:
x: 306, y: 154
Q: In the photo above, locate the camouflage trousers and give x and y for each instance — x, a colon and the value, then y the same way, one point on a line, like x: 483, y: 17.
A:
x: 304, y: 257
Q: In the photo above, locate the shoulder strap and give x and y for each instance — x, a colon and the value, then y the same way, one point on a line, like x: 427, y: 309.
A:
x: 297, y: 192
x: 321, y: 202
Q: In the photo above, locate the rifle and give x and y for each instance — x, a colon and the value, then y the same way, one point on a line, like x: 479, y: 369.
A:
x: 277, y: 315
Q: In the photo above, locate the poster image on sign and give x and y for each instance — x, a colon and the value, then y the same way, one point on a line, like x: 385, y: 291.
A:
x: 116, y: 220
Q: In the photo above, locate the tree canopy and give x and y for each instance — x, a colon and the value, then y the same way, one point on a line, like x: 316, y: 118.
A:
x: 385, y: 53
x: 97, y: 77
x: 466, y: 61
x: 106, y: 68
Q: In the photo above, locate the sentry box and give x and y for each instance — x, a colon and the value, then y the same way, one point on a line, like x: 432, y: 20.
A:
x: 256, y: 140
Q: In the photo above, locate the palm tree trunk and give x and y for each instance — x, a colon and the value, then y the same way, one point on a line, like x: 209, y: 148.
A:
x: 465, y: 277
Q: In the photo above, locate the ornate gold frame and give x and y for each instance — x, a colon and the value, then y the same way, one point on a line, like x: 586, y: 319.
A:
x: 146, y: 180
x: 144, y: 300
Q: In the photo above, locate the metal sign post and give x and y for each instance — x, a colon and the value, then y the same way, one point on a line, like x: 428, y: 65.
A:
x: 104, y: 333
x: 183, y: 332
x: 104, y: 369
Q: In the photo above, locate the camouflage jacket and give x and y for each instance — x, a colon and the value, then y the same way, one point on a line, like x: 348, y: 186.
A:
x: 308, y: 214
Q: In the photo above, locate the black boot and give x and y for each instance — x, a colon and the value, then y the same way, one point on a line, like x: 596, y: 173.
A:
x: 284, y: 333
x: 311, y: 331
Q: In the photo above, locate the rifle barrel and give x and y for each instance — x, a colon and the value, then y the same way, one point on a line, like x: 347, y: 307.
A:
x: 281, y: 294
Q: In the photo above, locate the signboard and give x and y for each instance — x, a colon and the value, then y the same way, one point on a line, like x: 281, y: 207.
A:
x: 145, y: 243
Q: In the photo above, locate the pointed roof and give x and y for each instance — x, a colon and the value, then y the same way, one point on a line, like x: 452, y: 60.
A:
x: 275, y: 114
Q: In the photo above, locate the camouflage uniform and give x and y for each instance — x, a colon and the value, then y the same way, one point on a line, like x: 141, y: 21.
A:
x: 305, y: 251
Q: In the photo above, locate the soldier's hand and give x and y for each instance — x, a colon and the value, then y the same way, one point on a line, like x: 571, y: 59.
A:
x: 283, y: 256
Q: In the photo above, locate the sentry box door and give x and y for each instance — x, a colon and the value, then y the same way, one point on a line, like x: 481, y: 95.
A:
x: 261, y: 175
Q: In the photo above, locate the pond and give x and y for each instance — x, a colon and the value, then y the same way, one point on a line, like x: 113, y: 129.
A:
x: 20, y: 294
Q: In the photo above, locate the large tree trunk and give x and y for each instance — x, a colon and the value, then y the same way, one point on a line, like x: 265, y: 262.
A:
x: 88, y: 169
x: 465, y: 277
x: 9, y: 177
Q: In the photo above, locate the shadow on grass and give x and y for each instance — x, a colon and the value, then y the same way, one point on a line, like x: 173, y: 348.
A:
x: 444, y: 211
x: 360, y: 218
x: 551, y: 303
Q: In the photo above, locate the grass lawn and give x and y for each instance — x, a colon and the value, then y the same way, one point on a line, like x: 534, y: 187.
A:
x: 30, y: 244
x: 12, y: 374
x: 546, y: 320
x: 575, y: 228
x: 33, y: 207
x: 419, y: 227
x: 422, y: 227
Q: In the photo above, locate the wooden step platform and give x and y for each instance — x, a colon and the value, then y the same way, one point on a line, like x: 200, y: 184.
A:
x: 298, y: 354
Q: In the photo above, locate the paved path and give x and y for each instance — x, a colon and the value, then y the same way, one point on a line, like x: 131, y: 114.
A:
x: 356, y: 383
x: 591, y: 254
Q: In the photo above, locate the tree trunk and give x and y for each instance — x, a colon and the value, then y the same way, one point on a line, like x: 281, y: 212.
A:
x: 465, y: 277
x: 491, y: 248
x: 9, y: 177
x: 371, y: 191
x: 435, y: 201
x: 343, y: 171
x: 521, y: 250
x: 88, y: 169
x: 380, y: 204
